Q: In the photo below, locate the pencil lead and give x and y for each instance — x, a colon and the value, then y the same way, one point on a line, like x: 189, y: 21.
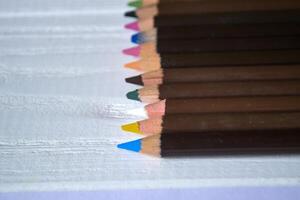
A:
x: 137, y: 38
x: 131, y: 14
x: 138, y: 112
x: 135, y: 80
x: 132, y: 127
x: 133, y: 95
x: 135, y: 145
x: 133, y: 51
x: 133, y: 26
x: 136, y: 4
x: 133, y: 65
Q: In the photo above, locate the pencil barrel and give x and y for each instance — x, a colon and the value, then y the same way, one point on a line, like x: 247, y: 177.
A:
x: 226, y: 6
x: 237, y: 104
x: 229, y: 89
x: 228, y: 31
x: 223, y: 77
x: 268, y: 57
x: 197, y: 123
x: 227, y: 44
x: 238, y: 73
x: 257, y: 17
x: 231, y: 143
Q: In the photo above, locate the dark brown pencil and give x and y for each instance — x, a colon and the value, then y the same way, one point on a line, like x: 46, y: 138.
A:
x: 231, y: 143
x: 222, y: 104
x: 229, y: 104
x: 151, y: 94
x: 253, y: 17
x: 268, y: 57
x: 218, y: 31
x: 153, y: 48
x: 202, y: 122
x: 229, y: 30
x: 215, y: 74
x: 179, y: 8
x: 283, y: 16
x: 218, y: 143
x: 145, y: 3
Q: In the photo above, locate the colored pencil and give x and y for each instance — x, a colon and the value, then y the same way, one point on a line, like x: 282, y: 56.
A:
x: 214, y: 74
x: 221, y: 77
x: 145, y: 3
x: 253, y: 17
x: 151, y: 94
x: 267, y: 57
x: 188, y: 8
x: 142, y: 3
x: 218, y: 143
x: 222, y: 104
x: 151, y: 49
x: 217, y: 31
x: 197, y: 123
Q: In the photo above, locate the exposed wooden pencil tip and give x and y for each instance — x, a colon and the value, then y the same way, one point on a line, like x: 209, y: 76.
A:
x: 156, y: 109
x: 134, y: 65
x: 130, y: 14
x: 132, y: 127
x: 135, y: 80
x: 135, y: 145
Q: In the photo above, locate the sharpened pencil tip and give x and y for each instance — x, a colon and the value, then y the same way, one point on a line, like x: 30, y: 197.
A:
x: 135, y: 38
x: 133, y: 26
x: 131, y: 14
x: 136, y: 4
x: 133, y: 65
x: 135, y: 145
x: 135, y: 80
x: 133, y: 51
x: 132, y: 127
x: 133, y: 95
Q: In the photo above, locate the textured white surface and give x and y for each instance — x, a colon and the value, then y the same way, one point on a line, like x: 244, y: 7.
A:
x: 62, y: 100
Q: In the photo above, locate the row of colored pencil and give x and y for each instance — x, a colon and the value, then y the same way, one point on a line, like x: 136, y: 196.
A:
x: 220, y: 76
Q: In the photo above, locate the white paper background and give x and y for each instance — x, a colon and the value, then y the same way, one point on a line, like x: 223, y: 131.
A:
x: 62, y: 101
